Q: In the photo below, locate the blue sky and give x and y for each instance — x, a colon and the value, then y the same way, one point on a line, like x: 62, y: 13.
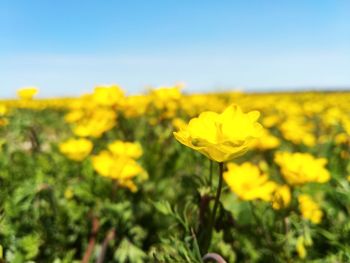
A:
x: 67, y: 47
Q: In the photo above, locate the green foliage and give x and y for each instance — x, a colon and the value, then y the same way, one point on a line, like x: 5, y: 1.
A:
x: 52, y: 209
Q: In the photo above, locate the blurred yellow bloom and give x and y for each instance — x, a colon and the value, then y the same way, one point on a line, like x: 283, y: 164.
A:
x: 3, y: 110
x: 221, y: 137
x: 346, y: 126
x: 3, y: 122
x: 332, y: 116
x: 179, y: 124
x: 342, y: 138
x: 166, y: 100
x: 270, y: 121
x: 116, y: 167
x: 196, y: 103
x: 95, y: 123
x: 310, y: 209
x: 76, y: 149
x: 166, y: 97
x: 129, y: 149
x: 300, y: 247
x: 301, y: 168
x: 128, y: 184
x: 108, y: 95
x: 27, y: 93
x: 135, y: 106
x: 118, y: 163
x: 248, y: 183
x: 263, y: 166
x: 74, y: 116
x: 267, y: 141
x: 344, y: 154
x: 298, y: 131
x: 281, y: 197
x: 69, y: 193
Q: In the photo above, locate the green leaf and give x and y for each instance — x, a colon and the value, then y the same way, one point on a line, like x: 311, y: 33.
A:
x: 163, y: 207
x: 128, y: 252
x: 30, y: 245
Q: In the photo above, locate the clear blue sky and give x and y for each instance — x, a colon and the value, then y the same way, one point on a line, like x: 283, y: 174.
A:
x: 66, y: 47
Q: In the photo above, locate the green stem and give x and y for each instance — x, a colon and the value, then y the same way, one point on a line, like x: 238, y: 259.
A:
x: 206, y: 233
x: 218, y: 193
x: 210, y: 173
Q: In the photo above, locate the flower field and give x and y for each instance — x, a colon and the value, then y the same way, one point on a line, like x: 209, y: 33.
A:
x: 168, y: 176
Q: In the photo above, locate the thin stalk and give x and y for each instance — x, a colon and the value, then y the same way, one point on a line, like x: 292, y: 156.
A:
x: 215, y: 208
x: 109, y: 237
x: 218, y: 194
x: 210, y: 173
x: 206, y: 228
x: 94, y: 230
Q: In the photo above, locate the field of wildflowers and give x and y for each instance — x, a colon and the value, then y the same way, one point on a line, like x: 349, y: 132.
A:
x: 167, y: 176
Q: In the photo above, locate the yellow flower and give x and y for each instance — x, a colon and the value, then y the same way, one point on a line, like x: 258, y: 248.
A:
x: 118, y: 163
x: 3, y: 122
x: 69, y: 193
x: 135, y: 106
x: 95, y: 124
x: 300, y: 247
x: 301, y: 168
x: 128, y: 184
x: 27, y: 93
x: 310, y: 209
x: 221, y: 137
x: 129, y: 149
x: 270, y: 121
x: 120, y: 168
x: 342, y: 138
x: 267, y: 141
x: 298, y: 131
x: 178, y: 124
x: 74, y: 116
x: 76, y: 149
x: 248, y: 183
x: 108, y: 95
x: 281, y: 197
x: 166, y: 97
x: 3, y: 110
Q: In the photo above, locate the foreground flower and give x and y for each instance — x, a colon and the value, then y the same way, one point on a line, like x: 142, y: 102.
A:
x: 248, y: 183
x: 221, y: 137
x: 310, y: 209
x: 301, y: 168
x: 76, y: 149
x: 27, y: 93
